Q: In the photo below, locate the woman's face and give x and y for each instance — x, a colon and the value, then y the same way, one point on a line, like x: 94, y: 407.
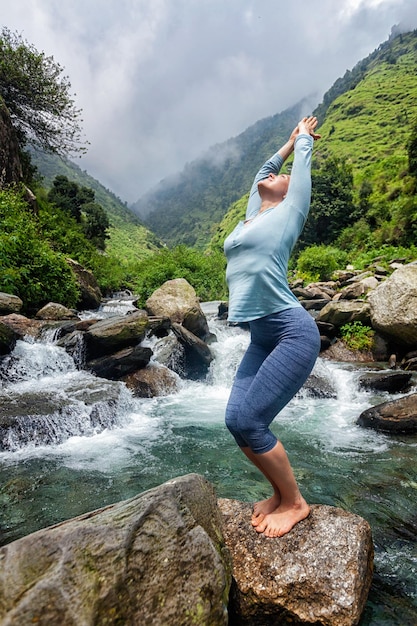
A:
x: 275, y: 186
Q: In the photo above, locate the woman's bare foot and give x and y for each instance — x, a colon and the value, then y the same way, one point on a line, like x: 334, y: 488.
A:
x: 280, y: 521
x: 264, y: 507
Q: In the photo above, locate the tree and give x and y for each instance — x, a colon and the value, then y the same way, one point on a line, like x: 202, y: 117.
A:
x: 332, y: 208
x: 95, y: 224
x: 37, y: 96
x: 412, y: 151
x: 79, y: 202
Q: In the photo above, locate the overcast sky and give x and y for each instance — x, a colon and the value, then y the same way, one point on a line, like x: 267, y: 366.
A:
x: 160, y: 81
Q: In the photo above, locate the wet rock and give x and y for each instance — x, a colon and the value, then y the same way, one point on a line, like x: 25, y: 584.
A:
x: 90, y: 294
x: 198, y: 355
x: 158, y: 558
x: 395, y: 417
x: 8, y: 338
x: 319, y: 573
x: 394, y: 382
x: 44, y: 418
x: 318, y: 387
x: 115, y: 333
x: 119, y: 364
x: 152, y: 381
x: 23, y: 325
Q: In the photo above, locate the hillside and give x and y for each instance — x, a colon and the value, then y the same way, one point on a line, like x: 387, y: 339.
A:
x: 366, y: 118
x: 187, y: 208
x: 129, y: 239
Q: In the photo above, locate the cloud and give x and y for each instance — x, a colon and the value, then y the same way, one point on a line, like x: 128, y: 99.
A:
x: 160, y: 82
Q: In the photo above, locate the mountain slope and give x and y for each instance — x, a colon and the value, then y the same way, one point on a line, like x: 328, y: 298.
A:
x: 366, y: 118
x: 129, y: 239
x: 186, y: 208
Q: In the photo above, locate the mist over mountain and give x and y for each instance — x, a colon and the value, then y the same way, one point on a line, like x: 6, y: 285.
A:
x: 366, y: 117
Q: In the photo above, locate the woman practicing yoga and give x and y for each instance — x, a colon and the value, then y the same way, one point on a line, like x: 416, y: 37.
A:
x: 284, y: 338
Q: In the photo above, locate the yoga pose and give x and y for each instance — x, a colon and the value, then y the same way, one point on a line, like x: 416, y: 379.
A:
x: 284, y: 338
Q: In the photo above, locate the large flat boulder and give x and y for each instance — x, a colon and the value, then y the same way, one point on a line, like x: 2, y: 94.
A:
x: 396, y: 417
x: 156, y: 559
x: 318, y: 574
x: 393, y: 306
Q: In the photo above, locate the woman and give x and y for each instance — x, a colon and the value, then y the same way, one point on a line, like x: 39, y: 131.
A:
x: 284, y: 338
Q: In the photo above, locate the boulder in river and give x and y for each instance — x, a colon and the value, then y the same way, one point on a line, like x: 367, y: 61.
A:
x: 9, y: 303
x: 394, y: 417
x: 393, y: 306
x: 319, y: 573
x: 393, y: 382
x: 158, y: 558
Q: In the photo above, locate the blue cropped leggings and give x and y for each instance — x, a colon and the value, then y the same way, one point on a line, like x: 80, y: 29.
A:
x: 283, y: 349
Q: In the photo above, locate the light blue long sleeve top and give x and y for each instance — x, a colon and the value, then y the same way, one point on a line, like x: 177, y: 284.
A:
x: 258, y: 250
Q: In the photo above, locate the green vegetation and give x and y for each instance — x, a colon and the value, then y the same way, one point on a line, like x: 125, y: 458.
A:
x: 205, y: 272
x: 38, y: 98
x: 357, y: 336
x: 29, y: 267
x: 318, y: 263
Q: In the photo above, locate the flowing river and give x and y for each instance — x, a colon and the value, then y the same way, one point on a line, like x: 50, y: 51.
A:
x: 153, y: 440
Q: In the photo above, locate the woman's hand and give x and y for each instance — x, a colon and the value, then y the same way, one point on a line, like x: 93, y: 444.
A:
x: 307, y: 126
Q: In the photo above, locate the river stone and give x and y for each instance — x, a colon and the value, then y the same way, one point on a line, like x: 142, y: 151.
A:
x: 90, y: 294
x: 115, y: 366
x: 198, y: 355
x: 44, y: 418
x: 115, y: 333
x: 156, y: 559
x: 177, y: 300
x: 393, y: 382
x: 393, y: 305
x: 395, y: 417
x: 152, y: 381
x: 319, y: 574
x: 8, y: 339
x: 23, y: 325
x: 56, y: 311
x: 9, y: 303
x: 343, y: 312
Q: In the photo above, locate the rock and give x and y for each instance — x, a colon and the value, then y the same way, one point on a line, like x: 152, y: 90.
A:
x: 119, y: 364
x: 115, y: 333
x: 339, y: 352
x: 393, y: 306
x: 394, y: 382
x: 318, y: 387
x: 319, y: 573
x: 314, y: 305
x: 359, y: 288
x: 158, y: 558
x: 198, y: 355
x: 55, y: 311
x: 8, y: 339
x: 177, y: 300
x: 9, y: 303
x: 344, y: 311
x: 44, y: 418
x: 90, y: 294
x: 152, y: 381
x: 395, y: 417
x: 23, y: 326
x: 168, y: 351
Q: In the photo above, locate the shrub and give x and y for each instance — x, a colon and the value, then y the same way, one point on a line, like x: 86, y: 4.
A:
x: 29, y: 268
x: 319, y: 262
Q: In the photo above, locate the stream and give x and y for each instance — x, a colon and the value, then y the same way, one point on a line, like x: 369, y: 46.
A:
x: 149, y: 441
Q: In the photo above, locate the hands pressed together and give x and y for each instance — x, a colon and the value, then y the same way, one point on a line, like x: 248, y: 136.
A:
x: 306, y: 126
